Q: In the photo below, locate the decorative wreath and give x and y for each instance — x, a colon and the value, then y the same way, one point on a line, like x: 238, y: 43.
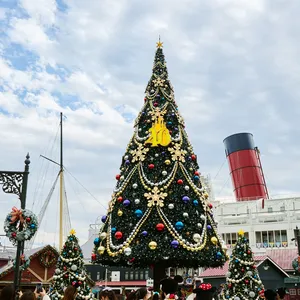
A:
x: 24, y: 262
x: 20, y: 225
x: 51, y: 261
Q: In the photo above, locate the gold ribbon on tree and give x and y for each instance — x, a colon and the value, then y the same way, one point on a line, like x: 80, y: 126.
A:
x: 16, y: 215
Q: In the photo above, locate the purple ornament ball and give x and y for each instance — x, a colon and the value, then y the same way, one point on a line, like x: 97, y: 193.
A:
x: 185, y: 199
x: 175, y: 244
x: 208, y: 227
x: 126, y: 202
x: 103, y: 219
x: 144, y: 233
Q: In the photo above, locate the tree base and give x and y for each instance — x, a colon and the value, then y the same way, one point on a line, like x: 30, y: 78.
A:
x: 159, y: 272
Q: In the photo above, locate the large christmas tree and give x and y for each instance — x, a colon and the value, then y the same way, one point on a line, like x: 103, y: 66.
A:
x: 70, y: 270
x: 159, y: 213
x: 242, y: 282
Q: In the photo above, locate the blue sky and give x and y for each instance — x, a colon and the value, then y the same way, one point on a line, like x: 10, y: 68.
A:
x: 234, y: 65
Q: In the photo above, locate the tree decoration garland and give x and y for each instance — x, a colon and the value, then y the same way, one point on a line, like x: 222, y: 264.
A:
x: 24, y: 262
x: 48, y: 259
x: 20, y: 225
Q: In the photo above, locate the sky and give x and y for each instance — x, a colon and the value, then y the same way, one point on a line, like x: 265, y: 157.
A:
x: 234, y: 65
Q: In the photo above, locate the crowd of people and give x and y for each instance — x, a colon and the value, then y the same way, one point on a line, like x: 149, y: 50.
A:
x: 169, y: 291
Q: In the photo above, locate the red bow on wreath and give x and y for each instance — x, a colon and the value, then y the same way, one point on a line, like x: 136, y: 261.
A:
x: 22, y: 258
x: 205, y: 286
x: 16, y: 215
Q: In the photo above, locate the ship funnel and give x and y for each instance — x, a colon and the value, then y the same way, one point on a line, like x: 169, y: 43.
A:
x: 245, y: 167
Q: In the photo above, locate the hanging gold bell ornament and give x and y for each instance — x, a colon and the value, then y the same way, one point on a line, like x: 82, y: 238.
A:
x: 152, y: 245
x: 120, y: 213
x: 101, y: 250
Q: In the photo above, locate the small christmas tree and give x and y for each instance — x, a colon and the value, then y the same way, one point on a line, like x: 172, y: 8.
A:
x: 70, y: 270
x: 242, y: 282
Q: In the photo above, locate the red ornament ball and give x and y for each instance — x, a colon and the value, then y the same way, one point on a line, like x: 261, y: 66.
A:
x: 151, y: 166
x: 210, y: 205
x: 180, y: 181
x: 120, y: 199
x: 193, y: 157
x: 197, y: 173
x: 118, y: 176
x: 145, y: 99
x: 249, y: 252
x: 93, y: 256
x: 254, y: 267
x: 243, y: 270
x: 160, y: 227
x: 155, y: 104
x: 79, y: 282
x: 246, y: 281
x: 28, y: 219
x: 13, y: 234
x: 118, y: 235
x: 66, y: 275
x: 75, y: 249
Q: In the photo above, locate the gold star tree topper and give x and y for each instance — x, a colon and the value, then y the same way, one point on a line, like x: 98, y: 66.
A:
x: 159, y: 44
x: 72, y: 232
x: 241, y: 232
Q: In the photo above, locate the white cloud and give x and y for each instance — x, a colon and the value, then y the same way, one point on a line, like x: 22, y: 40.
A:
x: 233, y: 63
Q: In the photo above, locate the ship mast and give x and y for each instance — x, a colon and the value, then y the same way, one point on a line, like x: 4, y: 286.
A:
x: 61, y: 179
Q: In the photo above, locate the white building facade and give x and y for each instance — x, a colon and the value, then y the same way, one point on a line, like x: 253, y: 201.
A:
x: 269, y: 227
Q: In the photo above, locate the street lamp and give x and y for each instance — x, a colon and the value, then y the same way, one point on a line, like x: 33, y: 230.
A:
x: 15, y: 182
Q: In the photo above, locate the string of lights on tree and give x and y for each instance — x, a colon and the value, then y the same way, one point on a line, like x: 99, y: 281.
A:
x: 159, y: 210
x: 242, y: 280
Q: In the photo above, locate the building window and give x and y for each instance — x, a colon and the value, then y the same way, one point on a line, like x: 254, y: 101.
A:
x: 136, y: 275
x: 282, y: 208
x: 270, y: 209
x: 146, y: 274
x: 142, y: 275
x: 126, y: 275
x: 270, y: 239
x: 131, y: 275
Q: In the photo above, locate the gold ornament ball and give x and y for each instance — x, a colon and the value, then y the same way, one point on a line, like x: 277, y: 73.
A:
x: 103, y: 236
x: 101, y: 250
x: 167, y: 162
x: 214, y: 240
x: 152, y: 245
x: 120, y: 213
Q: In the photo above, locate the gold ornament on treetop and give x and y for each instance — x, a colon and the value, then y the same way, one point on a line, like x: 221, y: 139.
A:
x: 152, y: 245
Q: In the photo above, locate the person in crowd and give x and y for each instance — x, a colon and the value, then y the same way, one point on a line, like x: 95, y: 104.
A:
x: 270, y: 295
x: 27, y: 296
x: 281, y: 292
x: 107, y: 294
x: 205, y: 291
x: 7, y: 293
x: 169, y: 287
x: 70, y: 293
x: 140, y: 294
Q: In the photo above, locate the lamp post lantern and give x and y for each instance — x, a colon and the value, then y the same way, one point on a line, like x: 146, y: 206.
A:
x: 15, y: 182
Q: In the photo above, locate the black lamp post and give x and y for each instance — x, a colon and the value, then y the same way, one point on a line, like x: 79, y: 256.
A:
x: 15, y: 182
x: 297, y: 238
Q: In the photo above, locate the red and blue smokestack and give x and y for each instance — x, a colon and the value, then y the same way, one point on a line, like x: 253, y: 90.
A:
x: 245, y: 167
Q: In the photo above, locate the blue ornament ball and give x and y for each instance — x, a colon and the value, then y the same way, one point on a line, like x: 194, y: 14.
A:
x: 219, y: 254
x: 196, y: 178
x: 195, y: 202
x: 32, y: 226
x: 96, y: 241
x: 138, y: 213
x: 113, y: 230
x: 179, y: 225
